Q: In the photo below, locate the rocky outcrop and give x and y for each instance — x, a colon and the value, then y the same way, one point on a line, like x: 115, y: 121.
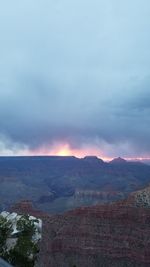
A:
x: 140, y: 198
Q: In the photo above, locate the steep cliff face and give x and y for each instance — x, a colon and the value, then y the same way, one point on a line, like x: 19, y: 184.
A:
x: 115, y: 235
x: 97, y: 236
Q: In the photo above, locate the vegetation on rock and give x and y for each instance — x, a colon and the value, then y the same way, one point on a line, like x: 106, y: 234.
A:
x: 5, y: 231
x: 25, y: 249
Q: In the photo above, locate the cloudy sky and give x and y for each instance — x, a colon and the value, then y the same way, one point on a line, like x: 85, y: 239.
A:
x: 75, y: 77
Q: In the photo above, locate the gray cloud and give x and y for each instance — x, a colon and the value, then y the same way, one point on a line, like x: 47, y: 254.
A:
x: 75, y: 71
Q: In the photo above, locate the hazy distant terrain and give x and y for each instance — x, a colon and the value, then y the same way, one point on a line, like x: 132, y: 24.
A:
x: 56, y: 184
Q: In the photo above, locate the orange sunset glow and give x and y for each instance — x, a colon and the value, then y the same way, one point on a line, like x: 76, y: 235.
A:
x: 64, y: 149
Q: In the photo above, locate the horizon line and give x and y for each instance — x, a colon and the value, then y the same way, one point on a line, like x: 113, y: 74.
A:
x: 65, y: 156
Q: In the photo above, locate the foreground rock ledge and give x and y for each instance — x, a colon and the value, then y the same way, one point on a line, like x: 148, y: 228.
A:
x: 97, y: 236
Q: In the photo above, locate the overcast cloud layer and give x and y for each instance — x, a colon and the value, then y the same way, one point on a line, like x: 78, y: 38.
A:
x: 76, y: 72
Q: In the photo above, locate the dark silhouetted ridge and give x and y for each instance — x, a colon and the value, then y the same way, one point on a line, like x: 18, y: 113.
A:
x: 118, y: 160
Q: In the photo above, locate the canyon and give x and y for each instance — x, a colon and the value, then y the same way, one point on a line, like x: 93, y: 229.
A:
x: 58, y: 184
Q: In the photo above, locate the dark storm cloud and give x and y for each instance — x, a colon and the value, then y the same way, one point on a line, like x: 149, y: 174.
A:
x: 75, y: 71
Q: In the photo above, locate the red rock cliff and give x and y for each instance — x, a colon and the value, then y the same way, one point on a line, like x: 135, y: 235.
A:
x: 97, y: 236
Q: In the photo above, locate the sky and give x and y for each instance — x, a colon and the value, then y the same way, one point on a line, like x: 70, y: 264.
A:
x: 75, y: 78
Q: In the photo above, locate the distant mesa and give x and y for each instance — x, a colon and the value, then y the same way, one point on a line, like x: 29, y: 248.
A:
x: 118, y: 161
x: 93, y: 159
